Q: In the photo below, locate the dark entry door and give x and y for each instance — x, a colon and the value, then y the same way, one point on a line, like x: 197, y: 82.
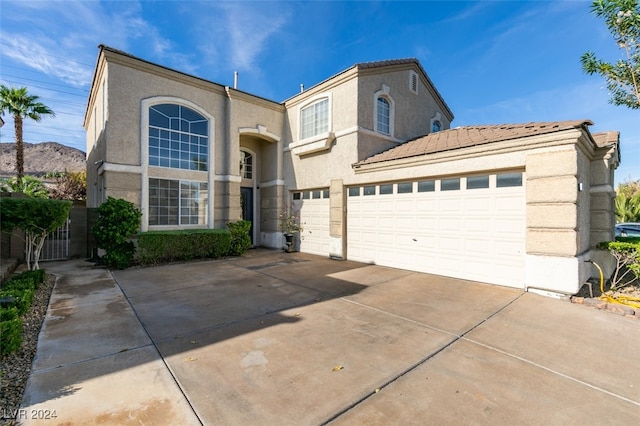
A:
x: 246, y: 203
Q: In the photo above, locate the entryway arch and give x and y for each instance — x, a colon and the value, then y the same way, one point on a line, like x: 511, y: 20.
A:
x: 261, y: 183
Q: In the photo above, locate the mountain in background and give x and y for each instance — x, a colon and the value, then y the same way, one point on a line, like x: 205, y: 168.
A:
x: 41, y: 158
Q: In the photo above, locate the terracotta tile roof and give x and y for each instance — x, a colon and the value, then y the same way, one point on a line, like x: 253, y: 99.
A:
x: 606, y: 138
x: 467, y: 136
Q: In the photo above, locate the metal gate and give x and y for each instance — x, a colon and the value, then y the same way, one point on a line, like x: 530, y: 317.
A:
x: 56, y: 245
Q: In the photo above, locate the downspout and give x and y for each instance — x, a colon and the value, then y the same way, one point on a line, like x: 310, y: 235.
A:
x: 227, y: 155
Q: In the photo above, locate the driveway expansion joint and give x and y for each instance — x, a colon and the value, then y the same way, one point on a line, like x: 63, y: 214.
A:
x: 456, y: 338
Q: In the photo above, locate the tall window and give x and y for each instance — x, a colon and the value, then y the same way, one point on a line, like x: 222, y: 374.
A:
x: 383, y: 116
x: 246, y: 165
x: 174, y: 202
x: 314, y: 119
x: 178, y: 138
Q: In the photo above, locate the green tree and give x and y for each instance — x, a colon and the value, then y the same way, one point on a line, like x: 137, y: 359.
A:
x: 622, y: 18
x: 118, y: 220
x: 20, y: 104
x: 627, y: 202
x: 68, y: 185
x: 37, y: 217
x: 28, y: 185
x: 629, y: 188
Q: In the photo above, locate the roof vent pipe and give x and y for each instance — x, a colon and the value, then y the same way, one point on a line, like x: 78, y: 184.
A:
x: 301, y: 87
x: 235, y: 79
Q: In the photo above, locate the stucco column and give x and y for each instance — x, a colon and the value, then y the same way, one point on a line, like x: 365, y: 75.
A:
x: 337, y: 220
x: 552, y: 240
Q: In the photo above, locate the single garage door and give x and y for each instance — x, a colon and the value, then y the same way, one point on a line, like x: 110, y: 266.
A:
x: 313, y: 207
x: 470, y: 227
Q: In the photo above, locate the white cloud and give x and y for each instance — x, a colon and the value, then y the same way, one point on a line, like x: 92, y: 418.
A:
x: 36, y: 54
x: 237, y: 34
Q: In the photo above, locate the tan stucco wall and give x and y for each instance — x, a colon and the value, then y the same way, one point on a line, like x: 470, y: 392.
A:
x: 413, y: 112
x: 129, y: 86
x: 552, y: 188
x: 270, y: 206
x: 123, y: 185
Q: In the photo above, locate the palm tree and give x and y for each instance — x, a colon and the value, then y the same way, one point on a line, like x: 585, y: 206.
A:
x: 20, y: 104
x: 627, y: 208
x: 28, y: 185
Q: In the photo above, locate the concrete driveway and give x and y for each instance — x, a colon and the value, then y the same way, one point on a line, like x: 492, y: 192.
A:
x: 295, y: 339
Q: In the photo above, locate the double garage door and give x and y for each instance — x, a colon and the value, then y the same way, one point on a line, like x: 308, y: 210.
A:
x: 469, y: 227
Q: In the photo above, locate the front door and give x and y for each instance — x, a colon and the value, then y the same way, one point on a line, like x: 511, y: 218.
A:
x: 246, y: 204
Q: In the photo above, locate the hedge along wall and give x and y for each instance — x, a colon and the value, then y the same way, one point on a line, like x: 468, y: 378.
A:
x: 168, y: 246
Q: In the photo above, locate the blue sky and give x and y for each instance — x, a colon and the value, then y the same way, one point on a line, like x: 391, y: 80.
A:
x: 493, y: 61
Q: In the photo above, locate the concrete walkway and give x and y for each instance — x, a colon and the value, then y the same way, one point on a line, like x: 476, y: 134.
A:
x: 292, y: 339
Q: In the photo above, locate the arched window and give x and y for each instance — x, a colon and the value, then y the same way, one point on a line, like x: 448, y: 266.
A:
x: 246, y: 165
x: 383, y: 116
x: 436, y: 122
x: 383, y: 113
x: 178, y: 138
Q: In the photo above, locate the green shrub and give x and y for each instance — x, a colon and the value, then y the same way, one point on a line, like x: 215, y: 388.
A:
x: 8, y: 313
x: 117, y: 221
x: 240, y: 239
x: 19, y: 283
x: 10, y: 333
x: 167, y: 246
x: 37, y: 275
x: 23, y: 298
x: 121, y: 256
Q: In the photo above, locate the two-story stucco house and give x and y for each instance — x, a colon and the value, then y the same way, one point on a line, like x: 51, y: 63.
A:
x: 368, y: 159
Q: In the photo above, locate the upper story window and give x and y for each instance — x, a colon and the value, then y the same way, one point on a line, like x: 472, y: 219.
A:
x: 436, y: 122
x: 383, y: 111
x: 246, y: 165
x: 178, y: 137
x: 383, y: 115
x: 314, y: 119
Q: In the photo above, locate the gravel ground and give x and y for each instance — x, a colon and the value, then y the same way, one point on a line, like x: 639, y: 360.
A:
x: 16, y: 367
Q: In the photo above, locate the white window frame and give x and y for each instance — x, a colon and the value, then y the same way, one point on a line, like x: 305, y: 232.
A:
x: 314, y: 100
x: 384, y: 93
x: 174, y: 173
x: 181, y: 207
x: 245, y: 154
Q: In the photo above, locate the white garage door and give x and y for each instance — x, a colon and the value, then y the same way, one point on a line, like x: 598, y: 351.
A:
x: 313, y: 207
x: 465, y: 227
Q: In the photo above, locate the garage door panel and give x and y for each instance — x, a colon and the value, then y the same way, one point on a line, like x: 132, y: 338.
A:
x: 405, y: 224
x: 511, y: 226
x: 425, y: 205
x: 509, y: 203
x: 450, y: 225
x: 505, y: 248
x: 425, y: 222
x: 478, y: 204
x: 404, y: 206
x: 477, y: 246
x: 386, y: 220
x: 479, y: 224
x: 449, y: 205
